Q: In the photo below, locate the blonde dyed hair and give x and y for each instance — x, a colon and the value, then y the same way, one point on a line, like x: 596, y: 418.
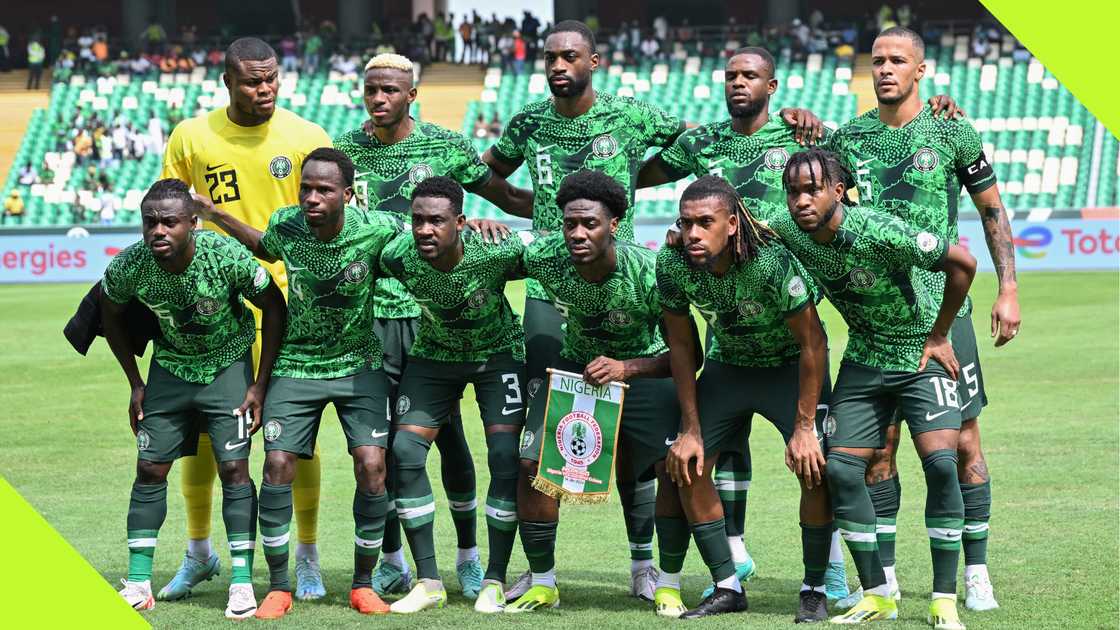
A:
x: 391, y: 61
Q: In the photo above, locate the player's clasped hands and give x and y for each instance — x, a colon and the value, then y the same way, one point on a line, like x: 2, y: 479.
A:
x: 804, y: 458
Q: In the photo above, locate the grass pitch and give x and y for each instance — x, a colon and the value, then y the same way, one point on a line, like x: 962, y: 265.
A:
x: 1050, y: 435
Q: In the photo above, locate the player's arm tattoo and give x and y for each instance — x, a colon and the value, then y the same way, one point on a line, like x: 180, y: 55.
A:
x: 997, y: 233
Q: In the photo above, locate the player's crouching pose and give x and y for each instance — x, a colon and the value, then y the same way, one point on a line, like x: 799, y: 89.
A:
x: 468, y: 334
x: 201, y: 365
x: 769, y: 349
x: 898, y: 359
x: 329, y: 355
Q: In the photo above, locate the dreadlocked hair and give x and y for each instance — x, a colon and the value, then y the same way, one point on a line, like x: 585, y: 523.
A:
x: 821, y: 163
x: 751, y: 235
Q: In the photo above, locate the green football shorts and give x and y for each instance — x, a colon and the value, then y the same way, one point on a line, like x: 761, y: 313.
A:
x: 175, y: 411
x: 544, y: 335
x: 650, y: 416
x: 866, y: 399
x: 970, y: 384
x: 430, y: 390
x: 728, y: 396
x: 293, y: 408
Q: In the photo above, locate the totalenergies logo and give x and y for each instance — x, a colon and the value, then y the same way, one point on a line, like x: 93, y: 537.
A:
x: 1032, y: 242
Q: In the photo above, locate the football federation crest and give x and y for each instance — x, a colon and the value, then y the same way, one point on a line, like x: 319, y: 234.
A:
x: 356, y: 271
x: 775, y: 159
x: 619, y: 318
x: 478, y: 298
x: 404, y: 403
x: 209, y: 306
x: 526, y: 439
x: 925, y: 160
x: 604, y: 146
x: 533, y: 386
x: 861, y: 278
x: 143, y: 440
x: 280, y: 167
x: 579, y: 439
x: 749, y: 309
x: 927, y: 242
x: 272, y: 431
x: 419, y: 173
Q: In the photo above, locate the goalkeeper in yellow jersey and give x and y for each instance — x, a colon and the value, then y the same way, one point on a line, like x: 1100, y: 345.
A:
x: 246, y: 157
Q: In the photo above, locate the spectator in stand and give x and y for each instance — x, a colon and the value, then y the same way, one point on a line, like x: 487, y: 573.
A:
x: 27, y: 173
x: 5, y: 38
x: 650, y: 48
x: 495, y: 129
x: 661, y: 31
x: 77, y: 212
x: 312, y: 52
x: 140, y: 65
x: 481, y: 129
x: 198, y: 58
x: 154, y: 37
x: 215, y: 58
x: 64, y: 66
x: 520, y: 51
x: 466, y: 40
x: 289, y: 55
x: 592, y: 22
x: 426, y: 31
x: 188, y: 36
x: 36, y: 55
x: 505, y: 50
x: 530, y: 31
x: 905, y: 15
x: 445, y: 37
x: 155, y: 133
x: 100, y: 49
x: 684, y: 32
x: 845, y: 51
x: 13, y: 205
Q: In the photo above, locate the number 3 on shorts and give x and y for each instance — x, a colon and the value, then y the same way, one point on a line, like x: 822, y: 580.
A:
x: 514, y: 386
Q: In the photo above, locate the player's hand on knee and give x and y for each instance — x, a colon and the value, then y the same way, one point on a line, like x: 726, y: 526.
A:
x: 939, y: 349
x: 805, y: 459
x: 136, y: 408
x: 251, y: 408
x: 686, y: 448
x: 603, y: 370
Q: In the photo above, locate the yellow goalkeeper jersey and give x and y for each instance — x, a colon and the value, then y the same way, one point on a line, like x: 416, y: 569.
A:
x: 248, y: 172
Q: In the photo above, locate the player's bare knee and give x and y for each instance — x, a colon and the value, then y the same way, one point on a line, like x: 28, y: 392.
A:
x: 151, y: 473
x: 369, y: 468
x: 279, y: 468
x: 234, y: 473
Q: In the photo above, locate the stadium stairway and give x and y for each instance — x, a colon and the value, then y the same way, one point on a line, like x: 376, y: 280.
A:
x: 445, y: 90
x: 862, y: 85
x: 17, y: 106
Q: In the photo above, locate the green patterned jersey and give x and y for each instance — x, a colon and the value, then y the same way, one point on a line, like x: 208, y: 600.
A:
x: 753, y: 163
x: 869, y: 273
x: 204, y: 326
x: 915, y: 172
x: 613, y: 137
x: 619, y: 317
x: 465, y: 314
x: 746, y: 308
x: 386, y: 174
x: 330, y: 292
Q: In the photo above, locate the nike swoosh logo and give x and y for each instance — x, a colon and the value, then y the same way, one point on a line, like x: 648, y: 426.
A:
x: 376, y: 435
x: 862, y: 162
x: 669, y: 442
x: 243, y: 611
x: 210, y: 168
x: 968, y: 403
x: 504, y: 514
x: 230, y: 447
x: 932, y: 416
x: 506, y: 412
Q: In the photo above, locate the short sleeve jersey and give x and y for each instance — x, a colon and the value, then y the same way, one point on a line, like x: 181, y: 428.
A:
x: 613, y: 137
x: 330, y: 289
x: 619, y: 317
x: 753, y: 163
x: 465, y: 314
x: 746, y: 308
x: 248, y: 172
x: 386, y: 174
x: 204, y: 326
x: 915, y: 172
x: 868, y: 272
